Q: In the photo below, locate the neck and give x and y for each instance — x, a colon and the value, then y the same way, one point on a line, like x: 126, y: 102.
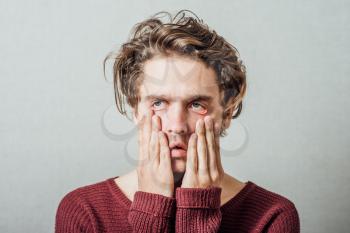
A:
x: 178, y: 179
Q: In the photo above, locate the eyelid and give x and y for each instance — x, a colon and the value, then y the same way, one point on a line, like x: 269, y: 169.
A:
x: 157, y: 100
x: 198, y: 101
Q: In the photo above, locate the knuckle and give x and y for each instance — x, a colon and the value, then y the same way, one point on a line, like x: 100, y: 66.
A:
x: 205, y: 180
x: 216, y: 176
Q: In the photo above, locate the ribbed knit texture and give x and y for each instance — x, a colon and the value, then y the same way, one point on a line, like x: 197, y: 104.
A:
x: 103, y: 207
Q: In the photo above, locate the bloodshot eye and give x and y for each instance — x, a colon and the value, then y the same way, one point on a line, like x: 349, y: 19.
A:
x: 199, y: 108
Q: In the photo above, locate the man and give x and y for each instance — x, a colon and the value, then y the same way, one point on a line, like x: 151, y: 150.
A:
x: 184, y: 83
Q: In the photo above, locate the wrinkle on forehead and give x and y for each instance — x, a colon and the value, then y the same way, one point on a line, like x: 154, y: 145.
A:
x: 178, y: 73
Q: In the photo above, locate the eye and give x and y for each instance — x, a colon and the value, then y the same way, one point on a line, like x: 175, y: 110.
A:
x: 199, y: 107
x: 157, y: 104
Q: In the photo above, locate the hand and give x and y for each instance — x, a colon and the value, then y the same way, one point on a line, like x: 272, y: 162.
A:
x: 154, y: 169
x: 203, y: 165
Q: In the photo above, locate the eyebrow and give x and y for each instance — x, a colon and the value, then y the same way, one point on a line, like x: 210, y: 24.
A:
x: 189, y: 99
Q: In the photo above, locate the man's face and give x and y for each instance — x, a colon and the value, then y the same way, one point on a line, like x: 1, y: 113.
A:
x: 180, y: 90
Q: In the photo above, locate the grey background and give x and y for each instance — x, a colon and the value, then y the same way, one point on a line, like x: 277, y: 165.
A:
x: 292, y: 137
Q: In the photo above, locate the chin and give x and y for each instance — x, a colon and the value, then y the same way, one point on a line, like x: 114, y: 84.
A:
x: 178, y: 165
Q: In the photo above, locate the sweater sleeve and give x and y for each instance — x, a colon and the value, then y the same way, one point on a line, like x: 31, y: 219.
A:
x: 198, y: 209
x: 72, y: 216
x: 286, y: 221
x: 150, y: 212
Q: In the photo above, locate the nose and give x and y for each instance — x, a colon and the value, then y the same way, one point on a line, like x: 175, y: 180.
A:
x: 177, y: 120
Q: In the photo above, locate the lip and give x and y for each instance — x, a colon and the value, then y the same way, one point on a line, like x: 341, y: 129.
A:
x: 178, y: 153
x: 180, y: 145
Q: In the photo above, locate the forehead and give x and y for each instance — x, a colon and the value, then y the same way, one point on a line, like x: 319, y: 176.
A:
x: 177, y: 76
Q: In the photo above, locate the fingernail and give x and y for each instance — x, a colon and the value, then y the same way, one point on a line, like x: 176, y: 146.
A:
x: 200, y: 124
x: 208, y: 121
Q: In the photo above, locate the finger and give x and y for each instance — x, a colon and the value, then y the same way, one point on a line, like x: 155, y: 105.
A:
x: 216, y: 128
x: 146, y: 132
x: 191, y: 161
x: 210, y: 139
x: 141, y: 144
x: 164, y: 157
x: 217, y: 145
x: 154, y: 143
x: 201, y: 148
x: 156, y: 125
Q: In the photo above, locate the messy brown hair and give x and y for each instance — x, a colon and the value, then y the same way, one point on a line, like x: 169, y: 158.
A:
x: 184, y: 34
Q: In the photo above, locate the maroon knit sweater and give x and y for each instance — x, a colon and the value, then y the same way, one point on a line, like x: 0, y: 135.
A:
x: 103, y: 207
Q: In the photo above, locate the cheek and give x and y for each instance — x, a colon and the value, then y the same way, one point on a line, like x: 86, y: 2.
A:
x: 217, y: 124
x: 141, y: 112
x: 193, y: 120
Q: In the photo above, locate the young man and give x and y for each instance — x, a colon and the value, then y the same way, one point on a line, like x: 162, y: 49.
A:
x: 185, y: 84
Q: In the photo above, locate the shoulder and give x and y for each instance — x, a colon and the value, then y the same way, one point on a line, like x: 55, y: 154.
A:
x: 85, y: 195
x: 280, y: 212
x: 75, y: 209
x: 270, y: 199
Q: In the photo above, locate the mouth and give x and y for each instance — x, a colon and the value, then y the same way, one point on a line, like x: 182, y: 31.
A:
x: 178, y: 153
x: 178, y: 150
